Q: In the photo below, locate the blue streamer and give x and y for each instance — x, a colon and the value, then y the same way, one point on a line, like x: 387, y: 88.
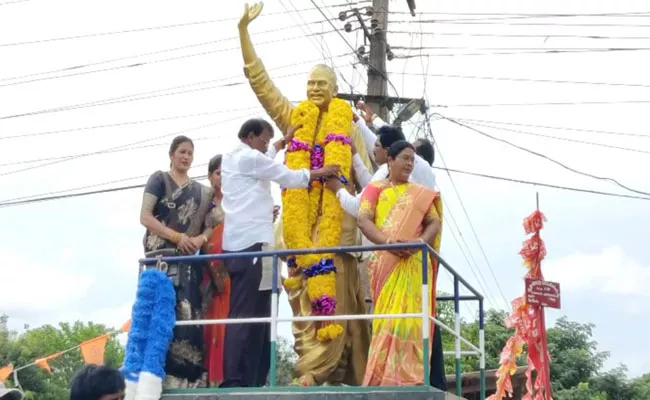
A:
x: 140, y: 322
x: 161, y: 330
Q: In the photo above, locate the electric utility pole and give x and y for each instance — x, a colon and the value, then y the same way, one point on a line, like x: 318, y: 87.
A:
x: 375, y: 37
x: 377, y: 75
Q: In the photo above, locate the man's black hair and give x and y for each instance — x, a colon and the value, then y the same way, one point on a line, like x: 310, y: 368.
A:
x: 214, y: 164
x: 254, y: 126
x: 424, y: 149
x: 389, y: 134
x: 94, y: 381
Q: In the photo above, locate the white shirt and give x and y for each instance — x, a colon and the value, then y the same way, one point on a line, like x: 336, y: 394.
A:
x: 422, y: 174
x: 247, y: 203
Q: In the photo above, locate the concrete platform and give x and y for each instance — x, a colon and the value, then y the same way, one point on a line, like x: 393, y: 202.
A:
x: 312, y: 393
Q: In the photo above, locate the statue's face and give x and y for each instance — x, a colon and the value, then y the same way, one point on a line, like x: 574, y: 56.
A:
x: 321, y: 87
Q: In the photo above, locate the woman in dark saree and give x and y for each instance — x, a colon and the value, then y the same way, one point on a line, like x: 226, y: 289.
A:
x: 179, y: 216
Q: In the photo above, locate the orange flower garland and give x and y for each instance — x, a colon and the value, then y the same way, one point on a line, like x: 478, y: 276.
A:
x: 330, y: 145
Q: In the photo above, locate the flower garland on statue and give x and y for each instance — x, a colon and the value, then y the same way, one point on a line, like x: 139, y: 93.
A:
x: 330, y: 145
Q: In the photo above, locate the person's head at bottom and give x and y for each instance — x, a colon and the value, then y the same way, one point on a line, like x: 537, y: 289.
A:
x: 10, y: 394
x: 96, y: 382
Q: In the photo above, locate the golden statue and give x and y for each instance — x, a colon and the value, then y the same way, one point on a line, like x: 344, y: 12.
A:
x: 341, y: 360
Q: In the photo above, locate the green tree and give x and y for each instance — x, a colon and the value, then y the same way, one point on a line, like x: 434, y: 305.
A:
x: 614, y: 384
x: 575, y: 357
x: 496, y: 335
x: 641, y: 387
x: 580, y: 392
x: 286, y: 359
x: 35, y: 343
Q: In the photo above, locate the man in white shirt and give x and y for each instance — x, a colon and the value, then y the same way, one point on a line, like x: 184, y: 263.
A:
x: 247, y: 173
x: 387, y: 135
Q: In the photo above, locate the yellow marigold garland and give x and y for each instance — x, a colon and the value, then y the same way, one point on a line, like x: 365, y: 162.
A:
x: 309, y: 148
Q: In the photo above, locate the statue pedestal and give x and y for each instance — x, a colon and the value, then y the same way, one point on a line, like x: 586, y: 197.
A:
x: 311, y: 393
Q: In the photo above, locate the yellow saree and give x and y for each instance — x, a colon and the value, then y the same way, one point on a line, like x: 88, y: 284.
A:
x: 396, y: 354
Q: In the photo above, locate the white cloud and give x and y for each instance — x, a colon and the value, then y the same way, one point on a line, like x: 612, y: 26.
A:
x: 611, y: 272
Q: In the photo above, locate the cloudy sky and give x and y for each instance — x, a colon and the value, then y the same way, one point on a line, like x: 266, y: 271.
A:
x: 76, y: 258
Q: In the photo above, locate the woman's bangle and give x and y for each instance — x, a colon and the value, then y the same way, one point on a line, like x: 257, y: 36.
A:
x: 388, y: 241
x: 176, y: 237
x: 421, y: 240
x: 204, y: 238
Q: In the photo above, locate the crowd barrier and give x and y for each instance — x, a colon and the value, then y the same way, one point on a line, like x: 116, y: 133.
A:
x: 424, y: 314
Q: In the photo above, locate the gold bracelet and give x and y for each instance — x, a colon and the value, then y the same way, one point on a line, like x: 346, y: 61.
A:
x: 176, y: 237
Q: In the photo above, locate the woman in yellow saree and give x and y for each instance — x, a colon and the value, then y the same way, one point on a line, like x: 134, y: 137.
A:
x: 392, y: 211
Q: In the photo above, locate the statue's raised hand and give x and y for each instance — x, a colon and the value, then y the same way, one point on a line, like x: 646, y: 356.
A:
x: 250, y: 13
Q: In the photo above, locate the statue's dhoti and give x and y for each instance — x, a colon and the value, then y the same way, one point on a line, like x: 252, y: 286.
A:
x: 342, y: 360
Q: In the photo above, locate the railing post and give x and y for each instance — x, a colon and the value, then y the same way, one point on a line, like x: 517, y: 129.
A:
x: 425, y: 313
x: 481, y: 346
x: 273, y: 378
x: 459, y: 381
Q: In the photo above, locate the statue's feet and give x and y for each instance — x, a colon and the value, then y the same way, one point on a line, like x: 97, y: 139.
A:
x: 305, y: 380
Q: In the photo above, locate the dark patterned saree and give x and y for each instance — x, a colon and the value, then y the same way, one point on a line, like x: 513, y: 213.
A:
x: 186, y: 209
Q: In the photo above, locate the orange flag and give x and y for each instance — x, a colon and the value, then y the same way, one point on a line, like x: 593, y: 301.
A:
x: 5, y: 372
x: 42, y: 362
x: 93, y: 350
x: 126, y: 327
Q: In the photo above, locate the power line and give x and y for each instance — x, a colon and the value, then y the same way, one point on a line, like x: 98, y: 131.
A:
x: 111, y: 149
x: 560, y: 103
x: 533, y: 15
x: 520, y: 49
x: 526, y: 24
x: 609, y: 146
x: 116, y: 150
x: 152, y: 94
x: 510, y: 53
x: 382, y: 73
x: 509, y: 79
x: 13, y: 2
x: 542, y: 184
x: 556, y: 127
x: 522, y: 35
x: 473, y: 267
x: 126, y: 123
x: 145, y: 146
x: 151, y: 28
x: 58, y: 195
x: 469, y: 220
x: 140, y: 64
x: 545, y: 157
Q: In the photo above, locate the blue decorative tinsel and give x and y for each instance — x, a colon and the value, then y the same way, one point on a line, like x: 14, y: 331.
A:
x: 161, y: 329
x: 140, y: 323
x: 324, y: 266
x: 343, y: 180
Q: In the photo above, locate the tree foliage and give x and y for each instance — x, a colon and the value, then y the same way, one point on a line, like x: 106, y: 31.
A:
x: 575, y: 367
x: 40, y: 342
